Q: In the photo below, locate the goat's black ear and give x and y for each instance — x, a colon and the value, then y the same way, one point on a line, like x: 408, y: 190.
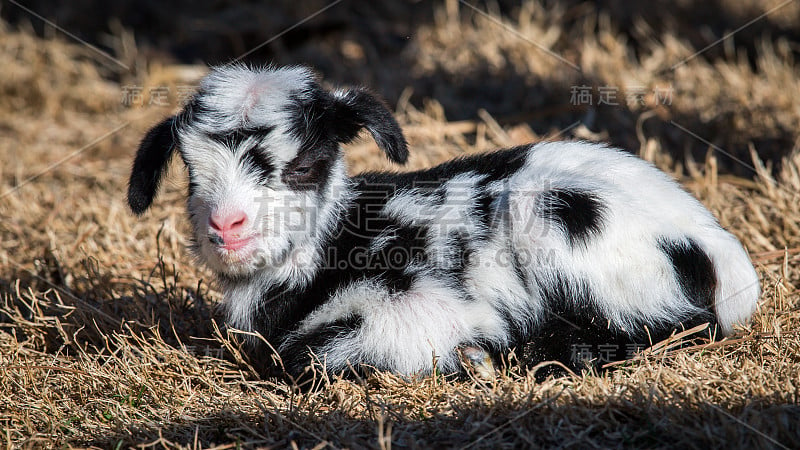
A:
x: 356, y: 109
x: 150, y: 164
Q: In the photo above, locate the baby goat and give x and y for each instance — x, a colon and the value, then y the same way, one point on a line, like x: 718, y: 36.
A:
x: 567, y: 251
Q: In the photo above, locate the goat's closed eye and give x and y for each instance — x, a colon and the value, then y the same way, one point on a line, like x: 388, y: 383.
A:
x: 306, y: 174
x: 304, y: 170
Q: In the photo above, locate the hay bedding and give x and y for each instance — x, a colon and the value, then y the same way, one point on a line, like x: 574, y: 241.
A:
x: 108, y: 332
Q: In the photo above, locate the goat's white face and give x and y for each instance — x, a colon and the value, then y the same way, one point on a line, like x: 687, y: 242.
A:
x: 244, y: 217
x: 265, y: 169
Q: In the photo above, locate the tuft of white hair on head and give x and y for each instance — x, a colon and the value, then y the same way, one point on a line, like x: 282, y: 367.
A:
x: 236, y: 96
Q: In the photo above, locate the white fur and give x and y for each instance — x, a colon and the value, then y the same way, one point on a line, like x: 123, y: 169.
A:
x: 406, y: 332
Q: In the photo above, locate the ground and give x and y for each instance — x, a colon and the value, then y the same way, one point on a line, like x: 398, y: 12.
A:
x: 109, y: 335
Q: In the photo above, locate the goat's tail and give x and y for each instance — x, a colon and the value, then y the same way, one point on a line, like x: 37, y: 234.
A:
x: 738, y: 286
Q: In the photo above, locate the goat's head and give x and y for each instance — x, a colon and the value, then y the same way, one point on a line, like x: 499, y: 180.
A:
x: 262, y: 149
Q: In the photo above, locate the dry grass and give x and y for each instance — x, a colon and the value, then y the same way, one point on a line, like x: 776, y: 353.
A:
x: 108, y: 332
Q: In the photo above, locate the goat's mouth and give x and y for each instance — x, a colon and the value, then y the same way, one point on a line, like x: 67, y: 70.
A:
x: 233, y: 250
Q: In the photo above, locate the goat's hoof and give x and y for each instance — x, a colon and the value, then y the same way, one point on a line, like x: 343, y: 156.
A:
x: 478, y: 362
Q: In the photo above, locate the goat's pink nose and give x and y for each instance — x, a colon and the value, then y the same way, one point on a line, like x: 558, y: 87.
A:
x: 229, y: 222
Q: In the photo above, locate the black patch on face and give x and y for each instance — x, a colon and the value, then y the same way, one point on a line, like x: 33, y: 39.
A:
x: 310, y: 170
x: 297, y: 354
x: 579, y: 213
x: 259, y: 162
x: 693, y: 270
x: 234, y: 139
x: 313, y: 122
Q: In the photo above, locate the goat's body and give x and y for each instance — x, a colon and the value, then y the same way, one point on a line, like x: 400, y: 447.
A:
x: 568, y: 251
x: 565, y: 261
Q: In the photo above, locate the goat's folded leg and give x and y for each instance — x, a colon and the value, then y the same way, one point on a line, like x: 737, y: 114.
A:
x: 477, y: 361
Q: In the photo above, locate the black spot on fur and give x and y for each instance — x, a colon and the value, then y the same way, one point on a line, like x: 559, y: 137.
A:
x: 404, y: 249
x: 694, y: 271
x: 573, y: 331
x: 495, y: 166
x: 579, y: 213
x: 398, y: 261
x: 519, y: 271
x: 259, y: 162
x: 234, y: 139
x: 297, y: 354
x: 460, y: 252
x: 279, y: 313
x: 491, y: 210
x: 577, y: 334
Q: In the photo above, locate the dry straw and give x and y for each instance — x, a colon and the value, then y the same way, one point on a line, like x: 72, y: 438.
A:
x: 109, y: 335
